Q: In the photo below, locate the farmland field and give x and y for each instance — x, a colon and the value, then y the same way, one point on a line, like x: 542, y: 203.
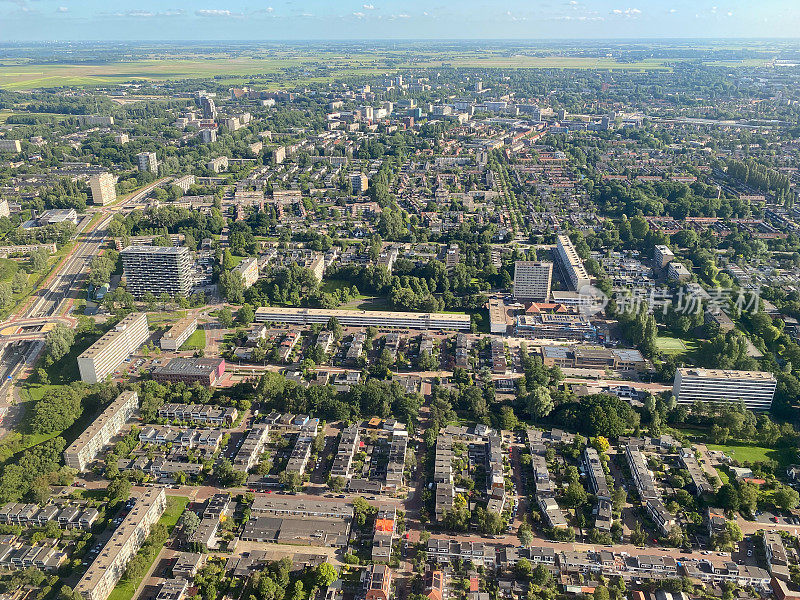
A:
x: 277, y: 67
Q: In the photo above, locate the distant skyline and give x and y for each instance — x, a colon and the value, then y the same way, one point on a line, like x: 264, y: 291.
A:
x: 46, y: 20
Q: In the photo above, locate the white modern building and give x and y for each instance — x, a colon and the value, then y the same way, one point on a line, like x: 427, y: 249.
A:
x: 104, y: 189
x: 532, y: 280
x: 248, y: 271
x: 147, y: 161
x: 571, y: 263
x: 755, y: 388
x: 109, y: 566
x: 107, y: 353
x: 94, y: 438
x: 363, y: 318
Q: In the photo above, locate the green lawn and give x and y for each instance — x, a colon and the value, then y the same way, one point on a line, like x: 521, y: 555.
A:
x: 125, y: 589
x: 673, y: 345
x: 783, y: 456
x: 157, y: 319
x: 196, y: 341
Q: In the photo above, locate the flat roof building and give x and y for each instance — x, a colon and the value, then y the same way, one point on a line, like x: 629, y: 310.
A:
x: 248, y: 271
x: 104, y: 189
x: 755, y: 388
x: 107, y: 569
x: 363, y: 318
x: 175, y: 337
x: 147, y: 162
x: 107, y: 353
x: 532, y: 280
x: 571, y: 264
x: 206, y: 371
x: 89, y: 444
x: 157, y: 269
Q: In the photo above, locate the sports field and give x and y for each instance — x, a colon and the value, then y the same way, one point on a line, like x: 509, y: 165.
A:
x: 670, y: 345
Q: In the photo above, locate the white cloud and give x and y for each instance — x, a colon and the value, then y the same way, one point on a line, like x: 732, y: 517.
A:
x: 63, y: 9
x: 368, y: 6
x: 141, y: 14
x: 216, y: 12
x: 673, y: 10
x: 628, y: 12
x: 269, y: 9
x: 730, y: 13
x: 359, y: 15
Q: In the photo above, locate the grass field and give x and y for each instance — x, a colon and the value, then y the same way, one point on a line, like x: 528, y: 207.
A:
x: 280, y: 66
x: 125, y: 589
x: 196, y: 341
x: 783, y: 456
x: 675, y: 346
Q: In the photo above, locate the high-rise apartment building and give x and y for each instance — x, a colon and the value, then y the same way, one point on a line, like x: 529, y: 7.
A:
x: 208, y: 136
x: 109, y: 566
x: 532, y: 280
x: 106, y: 354
x: 571, y: 263
x: 91, y: 442
x: 104, y: 189
x: 755, y: 388
x: 662, y: 256
x: 147, y: 161
x: 360, y: 183
x: 157, y: 269
x: 209, y: 107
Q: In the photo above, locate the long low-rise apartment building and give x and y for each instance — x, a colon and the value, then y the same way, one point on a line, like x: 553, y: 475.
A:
x: 101, y: 358
x: 178, y: 333
x: 109, y: 566
x: 89, y: 444
x: 755, y: 388
x: 253, y: 445
x: 363, y: 318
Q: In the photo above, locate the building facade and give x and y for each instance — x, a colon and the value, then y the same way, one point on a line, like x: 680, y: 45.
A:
x: 362, y: 318
x: 94, y: 438
x: 107, y: 353
x: 572, y: 265
x: 157, y: 269
x: 532, y: 280
x: 755, y: 388
x: 104, y: 189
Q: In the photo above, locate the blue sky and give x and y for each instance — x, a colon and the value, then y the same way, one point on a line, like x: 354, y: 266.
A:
x: 379, y: 19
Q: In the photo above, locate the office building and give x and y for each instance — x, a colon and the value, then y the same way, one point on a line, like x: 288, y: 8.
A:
x: 248, y: 271
x: 178, y: 333
x: 532, y: 280
x: 104, y: 190
x: 755, y: 388
x: 157, y: 269
x: 206, y: 371
x: 363, y: 318
x: 147, y: 161
x: 360, y: 183
x: 109, y: 566
x: 571, y: 264
x: 94, y: 438
x: 106, y: 354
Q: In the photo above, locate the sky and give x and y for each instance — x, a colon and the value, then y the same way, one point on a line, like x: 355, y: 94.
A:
x: 56, y: 20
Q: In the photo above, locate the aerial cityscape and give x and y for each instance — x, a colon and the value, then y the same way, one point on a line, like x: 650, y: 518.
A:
x: 408, y: 317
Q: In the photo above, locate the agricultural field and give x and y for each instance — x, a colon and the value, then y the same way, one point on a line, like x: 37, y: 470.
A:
x: 278, y: 67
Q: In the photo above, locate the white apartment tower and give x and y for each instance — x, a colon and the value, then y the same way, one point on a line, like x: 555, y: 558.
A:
x: 571, y: 263
x: 147, y: 161
x: 106, y: 354
x: 104, y: 189
x: 157, y: 269
x: 532, y: 280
